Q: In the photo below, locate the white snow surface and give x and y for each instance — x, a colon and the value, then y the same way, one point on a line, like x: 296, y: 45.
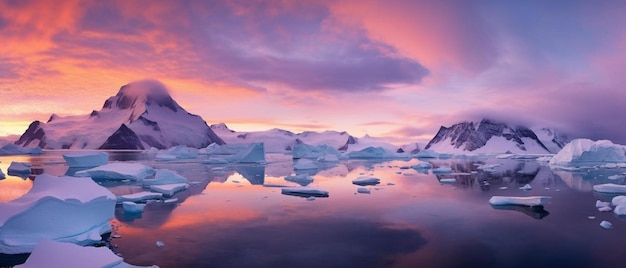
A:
x: 169, y: 189
x: 495, y: 145
x: 81, y: 210
x: 620, y: 210
x: 610, y: 188
x: 523, y: 201
x: 19, y: 167
x: 118, y: 171
x: 86, y: 159
x: 50, y: 253
x: 581, y: 152
x: 618, y: 200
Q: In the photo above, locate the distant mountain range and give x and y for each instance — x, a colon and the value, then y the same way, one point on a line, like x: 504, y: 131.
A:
x: 489, y: 136
x: 141, y: 115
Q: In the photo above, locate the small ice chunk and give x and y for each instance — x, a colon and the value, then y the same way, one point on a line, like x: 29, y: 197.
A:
x: 440, y: 170
x: 600, y: 204
x: 366, y: 180
x: 159, y: 244
x: 422, y: 165
x: 275, y: 185
x: 86, y: 159
x: 591, y: 217
x: 302, y: 179
x: 619, y: 200
x: 523, y: 201
x: 310, y: 198
x: 171, y: 200
x: 606, y: 225
x: 132, y: 207
x: 616, y: 177
x: 503, y: 188
x: 118, y: 171
x: 141, y: 196
x: 620, y: 210
x: 19, y: 168
x: 169, y: 189
x: 610, y: 188
x: 363, y: 190
x: 526, y: 187
x: 605, y: 209
x: 390, y: 184
x: 448, y: 180
x: 304, y: 191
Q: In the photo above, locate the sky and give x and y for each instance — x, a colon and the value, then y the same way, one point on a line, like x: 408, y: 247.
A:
x: 398, y: 69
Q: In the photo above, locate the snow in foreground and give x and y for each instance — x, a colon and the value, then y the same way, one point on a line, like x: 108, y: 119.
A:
x: 58, y: 254
x: 67, y: 209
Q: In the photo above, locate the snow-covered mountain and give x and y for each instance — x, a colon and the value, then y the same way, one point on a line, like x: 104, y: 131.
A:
x: 141, y: 115
x: 552, y: 138
x: 280, y: 141
x: 490, y: 137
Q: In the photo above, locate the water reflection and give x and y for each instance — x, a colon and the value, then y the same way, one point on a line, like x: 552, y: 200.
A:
x: 536, y: 212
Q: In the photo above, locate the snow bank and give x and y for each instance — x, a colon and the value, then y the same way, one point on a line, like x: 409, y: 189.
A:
x: 165, y: 176
x: 64, y: 209
x: 50, y: 253
x: 169, y: 189
x: 610, y: 188
x: 86, y: 159
x: 12, y: 149
x: 581, y: 152
x: 366, y: 180
x: 19, y: 168
x: 304, y: 191
x: 118, y: 171
x: 302, y: 179
x: 522, y: 201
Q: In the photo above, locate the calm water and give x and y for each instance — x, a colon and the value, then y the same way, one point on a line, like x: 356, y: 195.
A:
x: 228, y: 219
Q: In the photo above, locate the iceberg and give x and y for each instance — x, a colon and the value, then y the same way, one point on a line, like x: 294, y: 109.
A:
x: 304, y: 163
x: 328, y: 158
x: 426, y: 154
x: 81, y: 210
x: 440, y: 170
x: 616, y: 177
x: 304, y: 191
x: 620, y: 210
x: 600, y: 204
x: 619, y: 200
x: 365, y: 181
x: 376, y: 153
x: 302, y: 179
x: 209, y: 149
x: 526, y: 187
x: 12, y: 149
x: 303, y: 150
x: 522, y: 201
x: 253, y: 153
x: 422, y: 165
x: 215, y: 160
x: 606, y: 225
x: 165, y: 176
x: 50, y: 253
x: 86, y: 159
x: 585, y: 152
x: 132, y: 207
x: 610, y: 188
x: 141, y: 196
x: 169, y: 189
x: 118, y: 171
x: 19, y: 168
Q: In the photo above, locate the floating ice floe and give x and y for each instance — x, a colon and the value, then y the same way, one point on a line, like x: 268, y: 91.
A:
x: 169, y: 189
x: 171, y: 200
x: 610, y: 188
x: 12, y: 149
x: 118, y: 171
x: 81, y: 210
x: 366, y: 180
x: 215, y: 160
x: 620, y: 210
x: 132, y: 207
x: 600, y: 204
x: 50, y: 253
x: 606, y: 225
x: 304, y: 191
x: 605, y: 209
x: 141, y: 196
x: 177, y: 152
x: 426, y: 154
x: 441, y: 170
x: 253, y: 153
x: 302, y: 164
x: 376, y: 153
x: 363, y: 190
x: 19, y: 168
x: 526, y: 187
x: 86, y: 159
x: 422, y: 165
x: 302, y: 179
x: 582, y: 152
x: 448, y: 180
x: 165, y: 176
x: 616, y: 177
x: 209, y: 149
x: 618, y: 200
x: 530, y: 201
x: 275, y: 185
x: 159, y: 244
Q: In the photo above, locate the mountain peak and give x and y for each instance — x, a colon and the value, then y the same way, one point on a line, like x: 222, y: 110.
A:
x: 138, y: 94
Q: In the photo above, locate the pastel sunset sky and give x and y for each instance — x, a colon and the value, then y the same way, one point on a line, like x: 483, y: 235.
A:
x: 398, y: 69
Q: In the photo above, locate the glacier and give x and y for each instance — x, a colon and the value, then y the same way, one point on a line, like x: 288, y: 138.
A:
x: 81, y: 210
